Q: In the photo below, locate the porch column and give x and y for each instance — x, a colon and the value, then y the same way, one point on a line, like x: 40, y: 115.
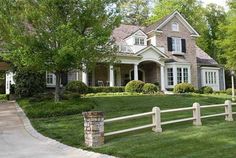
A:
x: 111, y: 74
x: 135, y: 71
x: 84, y: 75
x: 77, y: 75
x: 163, y: 78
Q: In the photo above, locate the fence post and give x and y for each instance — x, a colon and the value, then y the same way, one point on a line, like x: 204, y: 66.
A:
x: 228, y: 111
x: 93, y: 128
x: 156, y: 119
x: 197, y: 114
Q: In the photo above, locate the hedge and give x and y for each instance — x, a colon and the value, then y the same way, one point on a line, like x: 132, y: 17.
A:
x: 150, y: 88
x: 106, y: 89
x: 134, y: 86
x: 183, y: 88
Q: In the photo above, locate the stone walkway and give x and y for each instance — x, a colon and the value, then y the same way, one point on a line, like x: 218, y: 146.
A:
x: 18, y: 139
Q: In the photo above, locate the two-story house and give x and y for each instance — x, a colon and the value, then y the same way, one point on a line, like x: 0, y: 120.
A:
x: 164, y: 52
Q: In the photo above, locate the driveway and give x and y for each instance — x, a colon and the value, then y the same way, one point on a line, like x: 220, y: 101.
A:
x: 19, y: 140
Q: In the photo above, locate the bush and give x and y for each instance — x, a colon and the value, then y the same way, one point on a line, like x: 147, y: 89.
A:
x: 42, y: 97
x: 3, y: 97
x: 28, y: 83
x: 134, y: 86
x: 229, y: 91
x: 70, y: 95
x: 206, y: 90
x: 105, y: 89
x: 183, y: 88
x: 150, y: 88
x: 77, y: 87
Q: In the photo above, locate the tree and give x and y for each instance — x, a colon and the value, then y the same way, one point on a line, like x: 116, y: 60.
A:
x: 228, y: 42
x: 135, y: 12
x: 57, y: 35
x: 192, y: 10
x: 214, y: 16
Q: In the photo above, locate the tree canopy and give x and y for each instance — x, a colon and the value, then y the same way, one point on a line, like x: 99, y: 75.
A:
x: 228, y: 42
x: 57, y: 35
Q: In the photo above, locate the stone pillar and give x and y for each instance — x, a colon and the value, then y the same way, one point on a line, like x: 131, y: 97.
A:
x: 84, y: 75
x: 197, y: 114
x: 135, y: 71
x: 163, y: 78
x: 94, y: 128
x: 111, y: 74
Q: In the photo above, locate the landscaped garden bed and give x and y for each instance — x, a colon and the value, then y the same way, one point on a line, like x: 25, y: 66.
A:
x: 64, y: 122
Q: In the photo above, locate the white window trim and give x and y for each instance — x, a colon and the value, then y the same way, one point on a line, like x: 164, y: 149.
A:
x: 175, y: 66
x: 177, y: 26
x: 204, y: 70
x: 140, y: 37
x: 53, y: 80
x: 174, y: 41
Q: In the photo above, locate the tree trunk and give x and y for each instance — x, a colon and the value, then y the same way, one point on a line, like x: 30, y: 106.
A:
x: 57, y: 88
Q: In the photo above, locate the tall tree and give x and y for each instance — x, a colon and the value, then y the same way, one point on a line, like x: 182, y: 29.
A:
x: 135, y: 12
x: 228, y: 42
x: 57, y: 35
x: 214, y: 17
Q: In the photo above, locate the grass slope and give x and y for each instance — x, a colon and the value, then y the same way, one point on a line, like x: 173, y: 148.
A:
x: 216, y: 138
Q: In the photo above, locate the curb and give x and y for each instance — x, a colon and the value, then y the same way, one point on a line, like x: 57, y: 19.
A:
x: 29, y: 128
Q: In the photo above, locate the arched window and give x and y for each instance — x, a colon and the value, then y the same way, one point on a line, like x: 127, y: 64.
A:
x: 175, y: 26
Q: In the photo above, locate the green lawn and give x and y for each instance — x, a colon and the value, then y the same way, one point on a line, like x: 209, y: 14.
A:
x: 216, y: 138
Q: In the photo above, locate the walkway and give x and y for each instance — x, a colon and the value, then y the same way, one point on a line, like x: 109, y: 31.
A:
x: 18, y: 139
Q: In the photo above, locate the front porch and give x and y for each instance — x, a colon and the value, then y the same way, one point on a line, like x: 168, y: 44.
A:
x: 120, y: 74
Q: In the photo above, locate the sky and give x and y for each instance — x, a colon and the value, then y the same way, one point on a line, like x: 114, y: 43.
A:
x: 219, y: 2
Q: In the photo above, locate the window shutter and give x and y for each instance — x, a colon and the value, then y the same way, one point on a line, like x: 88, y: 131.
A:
x: 169, y: 42
x: 183, y: 41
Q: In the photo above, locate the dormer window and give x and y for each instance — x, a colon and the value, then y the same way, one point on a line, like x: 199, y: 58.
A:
x: 139, y: 41
x: 175, y: 26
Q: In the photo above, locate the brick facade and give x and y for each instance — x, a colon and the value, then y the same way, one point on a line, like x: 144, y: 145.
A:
x: 190, y: 55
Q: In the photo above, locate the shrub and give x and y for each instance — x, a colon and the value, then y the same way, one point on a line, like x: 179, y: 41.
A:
x: 183, y: 88
x: 28, y: 83
x: 134, y: 86
x: 3, y: 97
x: 42, y: 97
x: 150, y: 88
x: 206, y: 90
x: 70, y: 95
x: 77, y: 87
x: 105, y: 89
x: 229, y: 91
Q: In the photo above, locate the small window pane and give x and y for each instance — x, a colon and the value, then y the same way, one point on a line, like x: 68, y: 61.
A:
x: 175, y: 26
x: 185, y: 71
x: 179, y: 75
x: 170, y: 77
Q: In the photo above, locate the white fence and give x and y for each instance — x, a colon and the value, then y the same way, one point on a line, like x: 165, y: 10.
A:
x: 156, y: 117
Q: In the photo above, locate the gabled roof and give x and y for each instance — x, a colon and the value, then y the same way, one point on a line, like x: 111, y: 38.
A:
x: 123, y: 31
x: 153, y: 48
x: 158, y: 25
x: 203, y: 58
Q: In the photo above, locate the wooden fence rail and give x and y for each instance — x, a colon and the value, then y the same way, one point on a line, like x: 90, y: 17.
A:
x: 156, y: 117
x: 94, y: 121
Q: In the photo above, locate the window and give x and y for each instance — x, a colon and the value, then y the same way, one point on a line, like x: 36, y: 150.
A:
x: 176, y: 44
x: 124, y: 48
x: 50, y: 78
x: 185, y: 74
x: 179, y: 75
x: 170, y: 76
x: 175, y: 26
x: 210, y: 77
x: 139, y: 41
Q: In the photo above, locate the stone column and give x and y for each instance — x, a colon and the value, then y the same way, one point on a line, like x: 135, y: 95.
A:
x: 163, y: 78
x: 94, y: 128
x: 84, y: 75
x: 111, y: 74
x: 135, y: 71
